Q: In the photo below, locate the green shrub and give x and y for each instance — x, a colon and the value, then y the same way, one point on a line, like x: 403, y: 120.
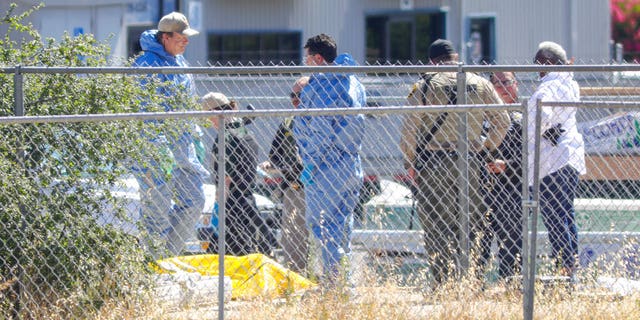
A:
x: 56, y: 177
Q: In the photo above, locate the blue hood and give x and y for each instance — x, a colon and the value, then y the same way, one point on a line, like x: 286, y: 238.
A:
x: 148, y: 42
x: 155, y: 55
x: 345, y: 59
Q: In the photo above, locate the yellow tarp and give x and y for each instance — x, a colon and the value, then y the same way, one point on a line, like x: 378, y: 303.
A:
x: 253, y: 275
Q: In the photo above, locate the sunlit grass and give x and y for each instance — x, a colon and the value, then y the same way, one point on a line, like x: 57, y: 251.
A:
x: 464, y: 299
x: 399, y: 287
x: 398, y: 303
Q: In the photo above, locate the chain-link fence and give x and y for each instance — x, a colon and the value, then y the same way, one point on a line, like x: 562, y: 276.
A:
x: 103, y: 214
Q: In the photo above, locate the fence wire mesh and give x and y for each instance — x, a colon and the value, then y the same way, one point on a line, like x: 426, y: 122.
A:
x: 108, y: 213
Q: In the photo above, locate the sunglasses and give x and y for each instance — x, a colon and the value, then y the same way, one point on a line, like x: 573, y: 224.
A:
x: 223, y: 107
x: 504, y: 83
x: 294, y: 95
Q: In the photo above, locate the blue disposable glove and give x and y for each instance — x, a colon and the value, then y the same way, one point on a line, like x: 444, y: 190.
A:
x: 306, y: 176
x: 214, y: 217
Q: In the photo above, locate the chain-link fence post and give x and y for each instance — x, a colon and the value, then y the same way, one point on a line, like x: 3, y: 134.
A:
x: 527, y: 206
x: 463, y: 166
x: 220, y: 196
x: 18, y: 98
x: 533, y: 208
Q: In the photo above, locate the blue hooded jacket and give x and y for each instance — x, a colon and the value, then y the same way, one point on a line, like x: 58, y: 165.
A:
x: 325, y: 140
x: 183, y: 149
x: 155, y: 56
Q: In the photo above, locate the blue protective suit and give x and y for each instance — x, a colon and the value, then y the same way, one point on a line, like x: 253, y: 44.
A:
x: 329, y: 147
x: 181, y: 177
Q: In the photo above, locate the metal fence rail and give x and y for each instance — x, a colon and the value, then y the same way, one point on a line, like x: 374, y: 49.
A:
x: 75, y: 238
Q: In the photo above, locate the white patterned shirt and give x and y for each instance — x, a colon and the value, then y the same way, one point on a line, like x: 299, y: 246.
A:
x: 556, y: 86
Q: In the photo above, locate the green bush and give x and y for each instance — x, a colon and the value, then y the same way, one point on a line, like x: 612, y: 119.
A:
x: 56, y: 177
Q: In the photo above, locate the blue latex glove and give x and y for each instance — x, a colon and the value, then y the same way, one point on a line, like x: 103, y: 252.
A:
x: 306, y: 176
x: 214, y: 217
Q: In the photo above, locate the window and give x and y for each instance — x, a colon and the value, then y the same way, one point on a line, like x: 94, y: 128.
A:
x: 260, y: 48
x: 133, y: 39
x: 168, y: 6
x: 481, y: 41
x: 403, y: 37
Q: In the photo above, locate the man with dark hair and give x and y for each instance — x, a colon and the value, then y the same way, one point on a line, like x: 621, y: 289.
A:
x: 323, y: 46
x: 562, y: 155
x: 172, y: 193
x: 430, y: 146
x: 329, y: 147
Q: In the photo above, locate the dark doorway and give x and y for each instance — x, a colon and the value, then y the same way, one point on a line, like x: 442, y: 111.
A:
x: 402, y: 38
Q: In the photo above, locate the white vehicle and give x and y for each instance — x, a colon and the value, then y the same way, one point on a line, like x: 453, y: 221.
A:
x: 127, y: 190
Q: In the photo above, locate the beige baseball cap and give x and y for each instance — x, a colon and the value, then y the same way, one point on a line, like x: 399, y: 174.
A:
x: 176, y: 22
x: 215, y: 101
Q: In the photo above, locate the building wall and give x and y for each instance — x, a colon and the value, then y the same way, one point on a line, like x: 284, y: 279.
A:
x: 520, y: 24
x: 594, y: 30
x: 344, y: 20
x: 102, y: 18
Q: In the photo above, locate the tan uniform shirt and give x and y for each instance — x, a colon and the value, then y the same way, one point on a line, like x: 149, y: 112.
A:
x: 442, y: 91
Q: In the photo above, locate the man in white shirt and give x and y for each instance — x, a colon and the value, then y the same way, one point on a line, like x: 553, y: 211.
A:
x: 562, y: 158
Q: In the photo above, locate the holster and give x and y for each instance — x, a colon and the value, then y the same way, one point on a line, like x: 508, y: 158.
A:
x: 553, y: 134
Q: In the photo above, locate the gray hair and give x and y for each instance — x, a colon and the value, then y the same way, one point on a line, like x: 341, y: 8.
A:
x: 552, y: 52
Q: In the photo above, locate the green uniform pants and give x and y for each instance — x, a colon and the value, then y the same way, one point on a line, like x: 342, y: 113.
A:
x: 439, y: 212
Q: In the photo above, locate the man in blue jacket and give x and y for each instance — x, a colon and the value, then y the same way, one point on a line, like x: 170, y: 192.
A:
x: 172, y: 194
x: 329, y: 147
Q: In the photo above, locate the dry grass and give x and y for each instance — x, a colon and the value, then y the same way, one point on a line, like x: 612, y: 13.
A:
x: 461, y: 300
x: 386, y: 290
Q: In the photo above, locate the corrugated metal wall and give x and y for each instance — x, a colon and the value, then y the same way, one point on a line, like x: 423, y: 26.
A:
x: 519, y: 24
